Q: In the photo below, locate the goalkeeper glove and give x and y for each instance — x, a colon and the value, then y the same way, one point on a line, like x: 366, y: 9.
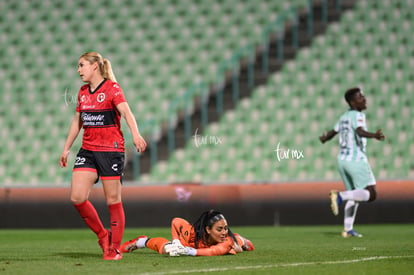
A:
x: 175, y: 248
x: 171, y: 249
x: 188, y: 251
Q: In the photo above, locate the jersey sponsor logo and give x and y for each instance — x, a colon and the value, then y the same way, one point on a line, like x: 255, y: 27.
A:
x: 100, y: 97
x: 92, y: 120
x: 98, y: 119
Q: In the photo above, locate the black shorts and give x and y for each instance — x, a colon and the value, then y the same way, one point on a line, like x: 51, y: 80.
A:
x: 108, y: 165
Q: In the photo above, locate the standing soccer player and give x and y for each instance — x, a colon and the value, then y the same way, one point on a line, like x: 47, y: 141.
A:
x: 353, y: 164
x: 101, y: 104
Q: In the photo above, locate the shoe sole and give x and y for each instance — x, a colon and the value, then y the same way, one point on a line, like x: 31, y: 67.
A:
x: 334, y: 202
x: 346, y: 235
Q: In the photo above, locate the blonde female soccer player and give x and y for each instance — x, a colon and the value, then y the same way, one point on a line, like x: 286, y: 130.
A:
x: 210, y: 235
x: 101, y: 104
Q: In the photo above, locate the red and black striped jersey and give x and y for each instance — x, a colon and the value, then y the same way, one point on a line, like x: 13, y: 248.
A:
x: 100, y: 117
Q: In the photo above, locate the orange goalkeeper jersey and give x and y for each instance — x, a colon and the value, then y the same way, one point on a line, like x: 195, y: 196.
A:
x: 184, y: 231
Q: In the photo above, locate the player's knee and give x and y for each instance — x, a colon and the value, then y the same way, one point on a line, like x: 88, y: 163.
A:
x: 77, y: 199
x: 113, y: 199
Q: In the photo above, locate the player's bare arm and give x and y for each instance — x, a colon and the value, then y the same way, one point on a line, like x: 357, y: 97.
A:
x: 137, y: 139
x: 326, y: 136
x: 74, y: 129
x: 377, y: 135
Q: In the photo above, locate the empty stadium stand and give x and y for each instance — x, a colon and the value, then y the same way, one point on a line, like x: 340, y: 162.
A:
x: 159, y: 49
x: 370, y: 48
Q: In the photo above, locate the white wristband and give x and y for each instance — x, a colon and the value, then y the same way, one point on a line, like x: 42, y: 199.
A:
x: 190, y: 251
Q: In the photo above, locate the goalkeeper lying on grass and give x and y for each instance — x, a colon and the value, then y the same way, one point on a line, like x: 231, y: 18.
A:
x: 208, y: 236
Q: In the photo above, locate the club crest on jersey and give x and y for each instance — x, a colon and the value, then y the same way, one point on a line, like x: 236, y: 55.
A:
x: 100, y: 97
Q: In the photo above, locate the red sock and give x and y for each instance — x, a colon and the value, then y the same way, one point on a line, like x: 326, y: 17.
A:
x: 156, y: 244
x: 116, y: 212
x: 88, y: 213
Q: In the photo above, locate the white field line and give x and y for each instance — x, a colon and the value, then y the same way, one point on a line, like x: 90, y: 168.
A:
x: 252, y: 267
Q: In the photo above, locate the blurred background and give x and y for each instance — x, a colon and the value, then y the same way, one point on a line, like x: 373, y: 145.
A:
x: 231, y: 97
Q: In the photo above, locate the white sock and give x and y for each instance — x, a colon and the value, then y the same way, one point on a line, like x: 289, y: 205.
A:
x: 349, y: 214
x: 141, y: 242
x: 355, y: 195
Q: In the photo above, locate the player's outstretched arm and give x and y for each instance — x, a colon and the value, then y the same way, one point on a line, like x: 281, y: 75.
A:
x: 326, y: 136
x: 377, y: 135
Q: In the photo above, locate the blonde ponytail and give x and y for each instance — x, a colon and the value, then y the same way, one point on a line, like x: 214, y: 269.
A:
x: 106, y: 70
x: 104, y: 64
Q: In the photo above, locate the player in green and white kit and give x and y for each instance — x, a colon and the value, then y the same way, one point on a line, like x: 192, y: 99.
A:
x: 353, y: 164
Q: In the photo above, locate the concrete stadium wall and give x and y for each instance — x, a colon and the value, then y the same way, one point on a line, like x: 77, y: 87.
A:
x: 244, y: 204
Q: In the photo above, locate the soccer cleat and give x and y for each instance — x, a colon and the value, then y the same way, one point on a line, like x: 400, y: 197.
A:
x: 351, y: 233
x: 131, y: 245
x: 334, y: 202
x: 112, y: 254
x: 104, y: 242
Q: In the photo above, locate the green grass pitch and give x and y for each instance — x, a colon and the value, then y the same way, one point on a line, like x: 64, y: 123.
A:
x: 384, y: 249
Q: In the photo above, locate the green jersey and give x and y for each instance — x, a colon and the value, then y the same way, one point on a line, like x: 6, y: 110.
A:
x: 352, y: 145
